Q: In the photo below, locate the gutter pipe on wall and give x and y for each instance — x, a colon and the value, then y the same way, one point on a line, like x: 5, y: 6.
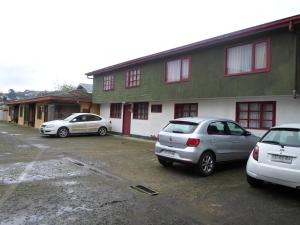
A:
x: 297, y: 63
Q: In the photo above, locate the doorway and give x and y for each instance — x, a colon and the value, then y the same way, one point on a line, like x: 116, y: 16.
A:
x: 126, y: 119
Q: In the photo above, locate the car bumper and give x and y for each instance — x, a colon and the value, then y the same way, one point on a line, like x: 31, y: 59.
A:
x: 187, y: 155
x: 274, y: 174
x: 48, y: 131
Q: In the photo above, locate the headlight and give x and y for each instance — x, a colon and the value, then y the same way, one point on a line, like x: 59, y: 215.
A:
x: 50, y: 126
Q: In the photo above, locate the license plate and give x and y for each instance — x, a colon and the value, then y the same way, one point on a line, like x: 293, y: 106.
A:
x: 281, y: 158
x: 169, y: 153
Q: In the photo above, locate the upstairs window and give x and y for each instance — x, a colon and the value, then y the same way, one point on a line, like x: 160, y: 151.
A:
x: 108, y: 82
x: 133, y: 78
x: 115, y: 110
x: 186, y: 110
x: 249, y: 58
x: 178, y: 70
x: 140, y: 110
x: 256, y: 115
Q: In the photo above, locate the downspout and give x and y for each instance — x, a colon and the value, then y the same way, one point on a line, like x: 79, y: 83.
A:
x: 291, y: 29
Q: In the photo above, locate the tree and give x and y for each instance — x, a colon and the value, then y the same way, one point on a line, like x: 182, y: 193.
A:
x: 11, y: 94
x: 64, y: 87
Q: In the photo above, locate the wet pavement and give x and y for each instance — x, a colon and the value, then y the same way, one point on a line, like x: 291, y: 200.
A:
x: 87, y: 179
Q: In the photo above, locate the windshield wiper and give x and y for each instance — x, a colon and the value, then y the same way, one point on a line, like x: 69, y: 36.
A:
x: 274, y: 142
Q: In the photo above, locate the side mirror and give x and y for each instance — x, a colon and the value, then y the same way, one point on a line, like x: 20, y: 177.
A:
x: 247, y: 133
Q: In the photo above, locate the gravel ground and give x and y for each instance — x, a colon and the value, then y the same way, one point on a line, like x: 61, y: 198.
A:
x: 87, y: 179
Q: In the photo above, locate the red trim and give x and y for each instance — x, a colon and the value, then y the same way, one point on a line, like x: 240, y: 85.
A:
x: 140, y: 110
x: 128, y: 81
x: 110, y: 81
x: 181, y: 79
x: 261, y: 111
x: 208, y: 42
x: 179, y: 110
x: 253, y: 69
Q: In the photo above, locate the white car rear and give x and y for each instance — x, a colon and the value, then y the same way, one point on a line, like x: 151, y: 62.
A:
x: 276, y: 157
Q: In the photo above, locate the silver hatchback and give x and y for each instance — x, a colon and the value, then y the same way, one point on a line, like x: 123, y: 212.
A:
x: 203, y: 142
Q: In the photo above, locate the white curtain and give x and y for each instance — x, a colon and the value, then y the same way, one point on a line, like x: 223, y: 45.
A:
x: 239, y: 59
x: 185, y: 69
x: 261, y: 55
x: 173, y: 70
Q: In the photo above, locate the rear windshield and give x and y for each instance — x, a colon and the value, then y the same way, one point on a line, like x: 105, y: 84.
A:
x: 283, y: 136
x: 180, y: 127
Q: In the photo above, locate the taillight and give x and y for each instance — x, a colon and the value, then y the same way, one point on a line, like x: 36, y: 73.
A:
x: 193, y: 142
x: 255, y: 153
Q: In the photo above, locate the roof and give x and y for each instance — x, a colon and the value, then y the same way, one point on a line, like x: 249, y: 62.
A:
x: 74, y: 96
x: 289, y: 125
x: 286, y: 22
x: 87, y: 87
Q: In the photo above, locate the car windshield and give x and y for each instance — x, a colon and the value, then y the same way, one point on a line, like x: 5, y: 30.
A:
x: 69, y: 117
x: 283, y: 137
x: 181, y: 127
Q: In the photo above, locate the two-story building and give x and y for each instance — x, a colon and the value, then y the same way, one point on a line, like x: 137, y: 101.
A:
x: 251, y: 76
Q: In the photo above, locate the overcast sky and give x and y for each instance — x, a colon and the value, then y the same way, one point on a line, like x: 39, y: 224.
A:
x: 44, y: 43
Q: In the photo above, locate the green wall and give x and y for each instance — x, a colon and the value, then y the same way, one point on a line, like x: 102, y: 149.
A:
x: 207, y: 76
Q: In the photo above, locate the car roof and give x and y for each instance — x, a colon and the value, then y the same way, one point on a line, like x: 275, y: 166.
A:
x: 288, y: 125
x: 78, y: 114
x: 201, y: 119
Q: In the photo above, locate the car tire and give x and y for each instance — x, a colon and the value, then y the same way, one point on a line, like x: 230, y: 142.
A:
x: 164, y: 162
x: 62, y: 132
x: 102, y: 131
x: 206, y: 164
x: 254, y: 182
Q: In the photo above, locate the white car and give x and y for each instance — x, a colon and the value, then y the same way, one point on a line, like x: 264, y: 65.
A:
x: 77, y: 123
x: 276, y: 157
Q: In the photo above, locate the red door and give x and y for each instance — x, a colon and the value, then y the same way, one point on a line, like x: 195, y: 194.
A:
x: 126, y: 119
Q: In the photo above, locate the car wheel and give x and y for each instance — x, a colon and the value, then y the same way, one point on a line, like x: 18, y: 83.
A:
x: 102, y: 131
x: 206, y: 164
x: 62, y: 132
x: 165, y: 163
x: 254, y: 182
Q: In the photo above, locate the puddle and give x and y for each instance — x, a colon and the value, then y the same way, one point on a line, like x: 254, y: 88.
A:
x: 64, y: 210
x: 4, y: 132
x: 40, y: 146
x: 23, y: 146
x: 7, y: 153
x: 40, y: 170
x: 15, y: 134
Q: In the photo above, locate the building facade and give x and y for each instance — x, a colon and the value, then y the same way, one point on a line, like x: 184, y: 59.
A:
x: 251, y: 76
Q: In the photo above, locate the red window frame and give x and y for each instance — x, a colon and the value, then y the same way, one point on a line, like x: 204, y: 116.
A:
x: 181, y: 79
x: 115, y: 110
x: 179, y: 110
x: 253, y: 69
x: 108, y: 82
x: 133, y: 78
x: 156, y: 108
x: 140, y: 110
x: 261, y: 112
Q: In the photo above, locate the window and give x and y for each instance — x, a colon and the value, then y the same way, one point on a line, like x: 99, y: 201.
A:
x: 140, y: 110
x: 93, y: 118
x: 133, y: 78
x: 256, y: 115
x: 21, y: 111
x: 115, y: 110
x: 234, y: 129
x: 180, y: 127
x: 216, y: 128
x: 249, y: 58
x: 177, y: 70
x: 186, y: 110
x: 39, y: 112
x: 108, y: 82
x: 156, y: 108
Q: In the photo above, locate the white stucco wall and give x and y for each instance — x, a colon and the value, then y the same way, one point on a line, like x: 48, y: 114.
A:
x: 287, y: 111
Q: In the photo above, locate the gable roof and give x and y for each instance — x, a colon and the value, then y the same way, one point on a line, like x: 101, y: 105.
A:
x: 74, y: 96
x: 286, y: 22
x: 87, y: 87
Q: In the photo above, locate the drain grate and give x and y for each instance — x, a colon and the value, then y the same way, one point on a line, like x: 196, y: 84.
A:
x: 145, y: 190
